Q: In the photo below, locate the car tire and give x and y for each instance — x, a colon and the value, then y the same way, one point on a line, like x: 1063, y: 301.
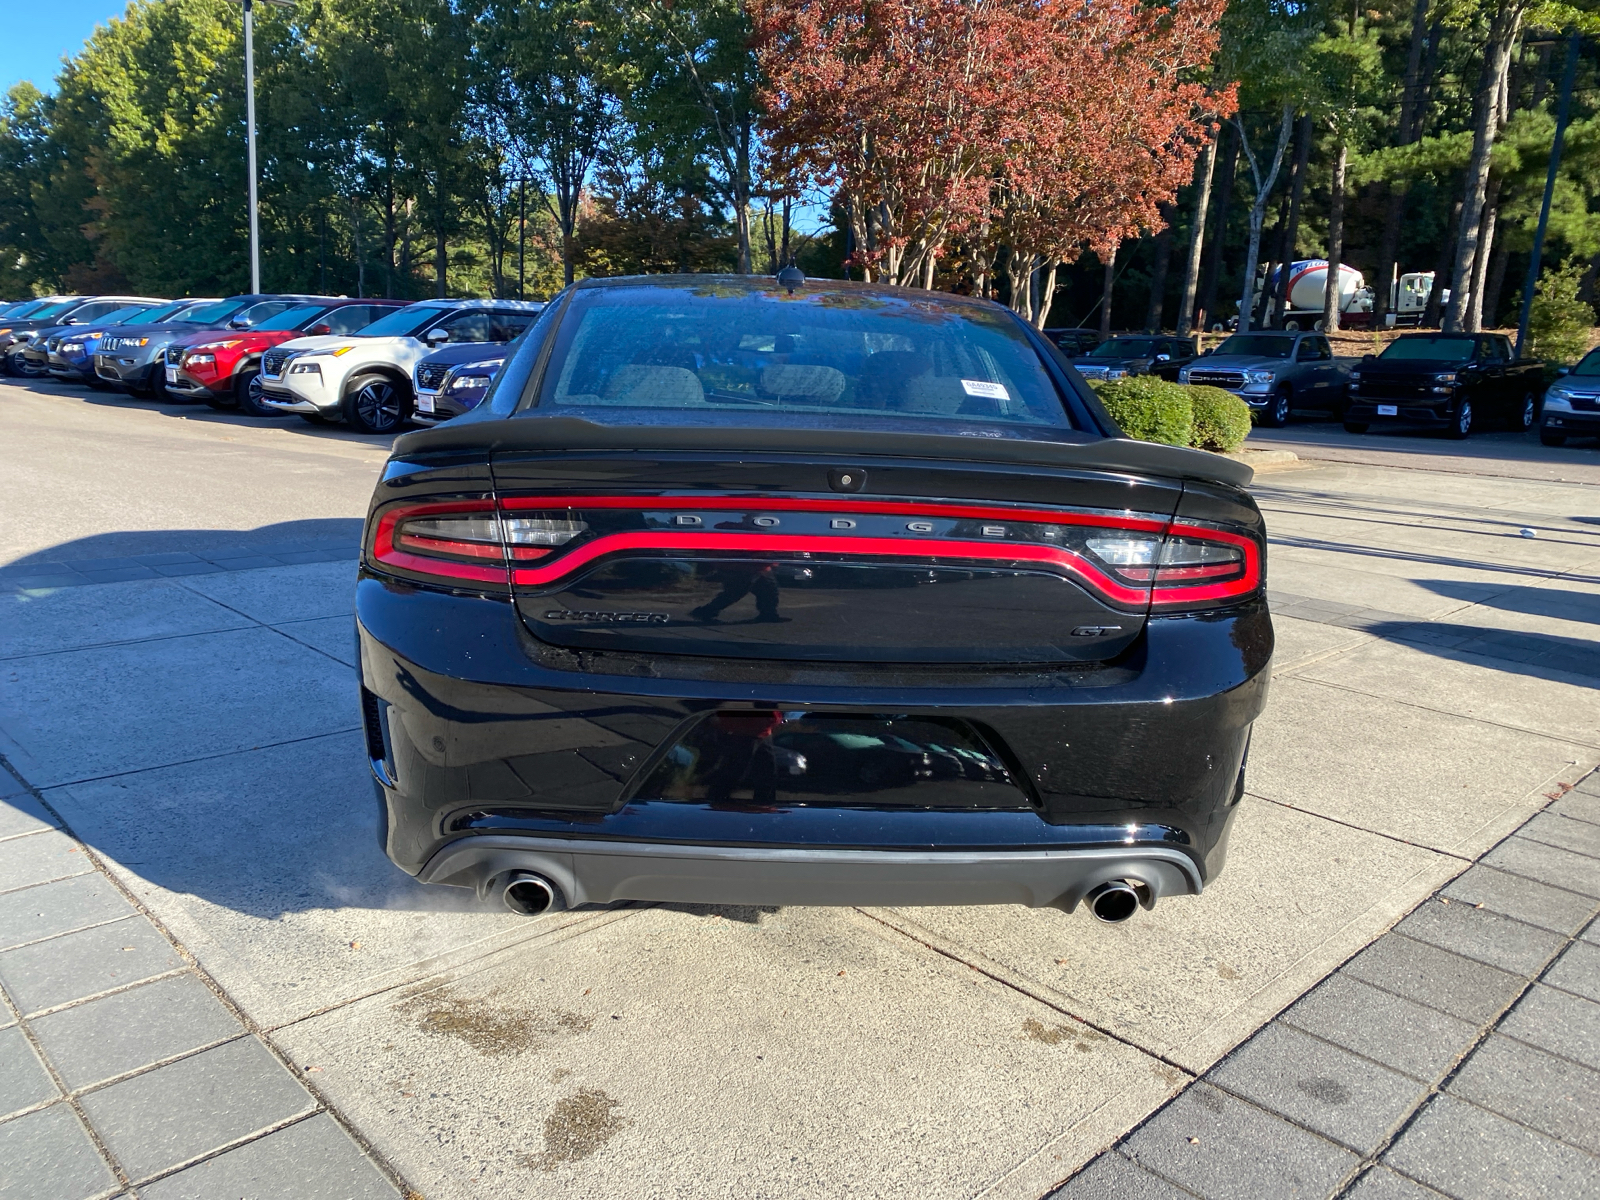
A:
x: 1356, y: 426
x: 220, y: 403
x: 1461, y: 422
x: 1278, y: 410
x: 1527, y: 416
x: 376, y: 404
x: 247, y: 394
x: 1549, y: 437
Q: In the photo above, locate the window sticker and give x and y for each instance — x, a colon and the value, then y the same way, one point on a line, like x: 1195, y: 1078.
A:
x: 982, y: 387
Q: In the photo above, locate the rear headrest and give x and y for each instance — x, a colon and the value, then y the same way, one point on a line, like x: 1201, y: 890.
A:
x: 819, y: 384
x: 667, y: 387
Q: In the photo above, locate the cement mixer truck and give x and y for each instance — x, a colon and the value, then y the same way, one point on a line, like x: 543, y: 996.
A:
x: 1308, y: 282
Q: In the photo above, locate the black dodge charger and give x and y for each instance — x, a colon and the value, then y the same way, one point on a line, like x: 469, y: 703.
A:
x: 756, y: 591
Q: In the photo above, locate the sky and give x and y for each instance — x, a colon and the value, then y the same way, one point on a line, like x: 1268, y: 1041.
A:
x: 38, y: 35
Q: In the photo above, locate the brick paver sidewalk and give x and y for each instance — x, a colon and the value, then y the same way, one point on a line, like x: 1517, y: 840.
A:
x: 122, y: 1072
x: 1461, y: 1051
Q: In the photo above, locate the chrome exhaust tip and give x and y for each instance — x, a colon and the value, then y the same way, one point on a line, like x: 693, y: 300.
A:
x: 1114, y: 902
x: 528, y: 895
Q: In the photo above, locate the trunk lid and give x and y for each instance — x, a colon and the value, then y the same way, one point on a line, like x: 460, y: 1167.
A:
x: 781, y: 556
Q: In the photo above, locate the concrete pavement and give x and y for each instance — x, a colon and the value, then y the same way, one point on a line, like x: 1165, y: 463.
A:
x: 197, y: 734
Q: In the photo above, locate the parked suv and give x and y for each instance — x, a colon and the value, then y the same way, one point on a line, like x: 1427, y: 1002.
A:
x: 70, y: 352
x: 1135, y: 355
x: 1274, y: 373
x: 135, y: 356
x: 365, y: 379
x: 455, y: 380
x: 224, y: 370
x: 70, y: 310
x: 1445, y: 380
x: 36, y: 356
x: 1572, y: 404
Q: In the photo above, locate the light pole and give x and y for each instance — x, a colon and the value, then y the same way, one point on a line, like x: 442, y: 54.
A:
x: 250, y: 132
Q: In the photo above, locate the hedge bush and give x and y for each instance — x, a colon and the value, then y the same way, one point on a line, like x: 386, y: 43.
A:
x: 1149, y: 409
x: 1153, y: 410
x: 1221, y: 419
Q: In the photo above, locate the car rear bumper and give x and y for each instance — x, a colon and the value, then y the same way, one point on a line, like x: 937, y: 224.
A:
x: 591, y: 871
x: 494, y: 752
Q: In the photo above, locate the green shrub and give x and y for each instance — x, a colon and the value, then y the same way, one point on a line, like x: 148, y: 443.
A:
x: 1559, y: 322
x: 1221, y: 419
x: 1149, y: 409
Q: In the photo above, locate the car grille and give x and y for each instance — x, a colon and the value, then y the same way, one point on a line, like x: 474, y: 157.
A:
x: 1221, y: 379
x: 1090, y: 372
x: 272, y: 362
x: 430, y: 376
x: 1398, y: 387
x: 173, y: 356
x: 118, y: 343
x: 1584, y: 403
x: 53, y: 344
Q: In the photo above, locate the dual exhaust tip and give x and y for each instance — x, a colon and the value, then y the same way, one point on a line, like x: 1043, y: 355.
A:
x: 528, y: 895
x: 1116, y: 901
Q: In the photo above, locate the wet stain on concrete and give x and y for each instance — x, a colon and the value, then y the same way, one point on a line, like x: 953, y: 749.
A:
x: 1080, y: 1038
x: 578, y: 1126
x: 1329, y: 1091
x: 488, y: 1024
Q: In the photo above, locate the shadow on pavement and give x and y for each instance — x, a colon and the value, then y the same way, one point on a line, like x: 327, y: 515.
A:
x: 196, y: 410
x: 122, y: 548
x: 1534, y: 602
x: 1538, y: 655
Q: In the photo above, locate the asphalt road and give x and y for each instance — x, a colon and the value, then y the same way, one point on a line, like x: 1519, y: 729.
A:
x: 195, y: 735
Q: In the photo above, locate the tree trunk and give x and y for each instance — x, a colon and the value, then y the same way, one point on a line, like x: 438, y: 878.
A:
x: 1158, y: 271
x: 1486, y: 122
x: 1480, y: 265
x: 1047, y: 293
x: 1496, y: 283
x: 1441, y: 271
x: 1197, y: 236
x: 1409, y: 129
x: 1291, y: 232
x: 1219, y: 236
x: 1108, y: 277
x: 1330, y: 294
x: 1258, y: 210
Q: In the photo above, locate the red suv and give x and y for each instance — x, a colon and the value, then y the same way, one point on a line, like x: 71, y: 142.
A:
x: 223, y: 367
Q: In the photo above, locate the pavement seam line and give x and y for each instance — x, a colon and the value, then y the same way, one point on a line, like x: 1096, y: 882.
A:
x: 99, y: 1085
x: 155, y: 637
x: 320, y: 1101
x: 1445, y: 712
x: 1388, y: 837
x: 52, y: 1009
x: 997, y: 973
x: 184, y: 762
x: 253, y: 1136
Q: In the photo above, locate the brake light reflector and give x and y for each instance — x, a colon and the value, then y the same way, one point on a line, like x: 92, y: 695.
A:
x: 464, y: 539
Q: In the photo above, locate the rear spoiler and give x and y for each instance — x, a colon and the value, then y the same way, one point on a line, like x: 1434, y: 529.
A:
x: 570, y: 433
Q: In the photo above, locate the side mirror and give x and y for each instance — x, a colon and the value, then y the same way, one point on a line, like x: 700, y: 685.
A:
x: 1366, y: 358
x: 1206, y: 353
x: 436, y: 335
x: 1563, y: 370
x: 1163, y: 358
x: 317, y: 330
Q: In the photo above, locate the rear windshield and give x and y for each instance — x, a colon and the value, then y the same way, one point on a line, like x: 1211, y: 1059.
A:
x: 1433, y: 349
x: 1256, y: 345
x: 716, y: 346
x: 52, y: 310
x: 149, y: 316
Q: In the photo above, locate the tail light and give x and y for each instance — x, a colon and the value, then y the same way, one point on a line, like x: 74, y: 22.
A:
x: 467, y: 540
x: 1129, y: 560
x: 1191, y: 565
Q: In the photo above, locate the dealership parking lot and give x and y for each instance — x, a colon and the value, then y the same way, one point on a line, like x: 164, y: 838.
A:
x: 216, y: 984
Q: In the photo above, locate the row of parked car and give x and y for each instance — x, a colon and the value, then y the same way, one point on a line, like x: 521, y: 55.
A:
x: 374, y: 364
x: 1455, y: 382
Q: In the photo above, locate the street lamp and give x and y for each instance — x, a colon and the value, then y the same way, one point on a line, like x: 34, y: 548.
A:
x: 250, y: 131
